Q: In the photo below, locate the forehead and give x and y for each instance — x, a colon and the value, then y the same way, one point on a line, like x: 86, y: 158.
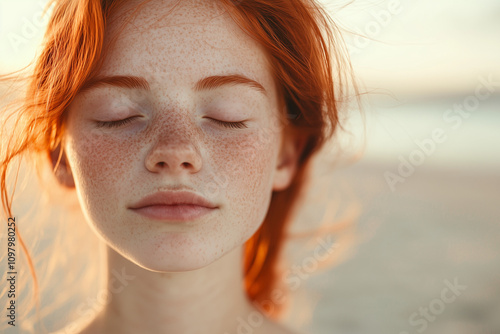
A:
x: 177, y: 42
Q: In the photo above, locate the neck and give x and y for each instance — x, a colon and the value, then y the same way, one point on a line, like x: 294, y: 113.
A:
x: 207, y: 300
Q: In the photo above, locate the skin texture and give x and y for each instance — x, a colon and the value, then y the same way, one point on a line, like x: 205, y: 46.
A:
x: 187, y: 275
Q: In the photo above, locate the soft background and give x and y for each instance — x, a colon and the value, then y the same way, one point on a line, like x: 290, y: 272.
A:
x: 440, y: 224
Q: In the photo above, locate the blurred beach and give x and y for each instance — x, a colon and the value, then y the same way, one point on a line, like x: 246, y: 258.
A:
x: 429, y: 180
x: 440, y: 225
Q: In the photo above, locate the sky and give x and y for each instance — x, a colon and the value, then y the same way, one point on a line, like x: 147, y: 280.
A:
x: 426, y: 50
x: 424, y: 47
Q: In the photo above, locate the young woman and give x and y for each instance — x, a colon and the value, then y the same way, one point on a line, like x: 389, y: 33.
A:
x: 185, y: 129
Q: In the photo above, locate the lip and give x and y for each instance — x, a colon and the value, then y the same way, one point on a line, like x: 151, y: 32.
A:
x: 178, y: 206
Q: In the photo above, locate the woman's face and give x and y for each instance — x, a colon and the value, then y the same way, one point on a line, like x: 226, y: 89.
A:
x: 173, y: 138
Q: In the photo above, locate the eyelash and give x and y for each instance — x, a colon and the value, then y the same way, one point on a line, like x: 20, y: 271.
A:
x: 113, y: 124
x: 231, y: 125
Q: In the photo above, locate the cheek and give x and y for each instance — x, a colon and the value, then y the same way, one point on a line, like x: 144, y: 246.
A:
x: 99, y: 164
x: 247, y: 168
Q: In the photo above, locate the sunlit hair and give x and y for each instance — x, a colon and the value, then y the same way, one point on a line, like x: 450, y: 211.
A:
x: 309, y: 63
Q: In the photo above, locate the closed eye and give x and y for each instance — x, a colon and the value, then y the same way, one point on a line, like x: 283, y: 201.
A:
x: 114, y: 124
x: 231, y: 125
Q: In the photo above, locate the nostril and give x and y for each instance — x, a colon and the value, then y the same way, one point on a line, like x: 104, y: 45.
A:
x: 173, y: 159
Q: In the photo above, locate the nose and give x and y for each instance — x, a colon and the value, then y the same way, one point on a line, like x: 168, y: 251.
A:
x: 173, y: 157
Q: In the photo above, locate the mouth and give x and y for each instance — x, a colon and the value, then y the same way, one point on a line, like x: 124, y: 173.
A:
x: 173, y: 206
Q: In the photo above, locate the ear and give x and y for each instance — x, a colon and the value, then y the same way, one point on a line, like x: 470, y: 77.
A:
x: 286, y: 167
x: 63, y: 172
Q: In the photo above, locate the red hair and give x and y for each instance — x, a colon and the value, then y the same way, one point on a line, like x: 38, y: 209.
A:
x: 309, y: 63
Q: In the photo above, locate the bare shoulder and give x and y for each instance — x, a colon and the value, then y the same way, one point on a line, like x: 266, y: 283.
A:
x: 85, y: 330
x: 89, y: 328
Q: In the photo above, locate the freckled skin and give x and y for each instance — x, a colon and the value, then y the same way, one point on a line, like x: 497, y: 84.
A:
x: 173, y: 143
x: 114, y: 168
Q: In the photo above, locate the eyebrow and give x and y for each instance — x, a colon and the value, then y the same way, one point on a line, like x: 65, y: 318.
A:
x: 208, y: 83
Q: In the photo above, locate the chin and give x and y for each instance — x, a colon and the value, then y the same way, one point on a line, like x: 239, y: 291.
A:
x: 171, y: 264
x: 162, y: 266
